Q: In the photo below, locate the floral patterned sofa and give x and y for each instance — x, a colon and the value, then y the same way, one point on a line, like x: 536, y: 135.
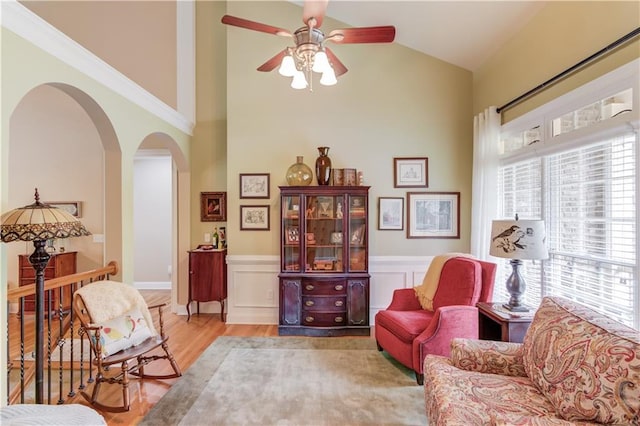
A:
x: 575, y: 366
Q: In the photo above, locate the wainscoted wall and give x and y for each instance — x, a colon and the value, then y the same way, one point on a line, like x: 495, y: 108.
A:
x: 253, y: 285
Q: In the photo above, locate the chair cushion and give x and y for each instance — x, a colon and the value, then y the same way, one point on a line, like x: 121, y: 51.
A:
x: 460, y: 283
x: 123, y: 332
x: 460, y: 397
x: 586, y: 364
x: 406, y: 325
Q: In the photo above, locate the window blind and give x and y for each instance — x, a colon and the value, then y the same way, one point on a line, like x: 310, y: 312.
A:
x: 591, y: 231
x: 587, y: 197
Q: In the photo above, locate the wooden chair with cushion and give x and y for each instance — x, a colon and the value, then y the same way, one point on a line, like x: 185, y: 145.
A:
x: 122, y: 335
x: 408, y: 331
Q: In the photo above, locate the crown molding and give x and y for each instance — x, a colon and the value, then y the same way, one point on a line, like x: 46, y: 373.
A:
x: 26, y: 24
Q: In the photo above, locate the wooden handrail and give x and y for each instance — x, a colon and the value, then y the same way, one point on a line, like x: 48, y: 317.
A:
x: 27, y: 290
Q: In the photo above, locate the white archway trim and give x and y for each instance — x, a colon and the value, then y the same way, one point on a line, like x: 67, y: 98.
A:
x: 26, y: 24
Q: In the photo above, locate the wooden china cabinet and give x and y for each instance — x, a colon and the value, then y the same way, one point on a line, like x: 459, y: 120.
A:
x: 324, y: 279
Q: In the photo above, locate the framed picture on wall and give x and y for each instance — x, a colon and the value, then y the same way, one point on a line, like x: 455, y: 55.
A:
x: 254, y: 218
x: 390, y: 213
x: 411, y: 172
x: 71, y: 207
x: 433, y: 215
x: 254, y: 185
x: 213, y: 206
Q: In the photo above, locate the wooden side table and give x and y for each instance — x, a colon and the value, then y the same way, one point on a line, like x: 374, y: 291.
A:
x: 207, y: 279
x: 498, y: 323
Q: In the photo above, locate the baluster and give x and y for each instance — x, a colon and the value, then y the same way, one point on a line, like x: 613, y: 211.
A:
x: 22, y: 336
x: 49, y: 308
x: 60, y: 343
x: 9, y: 361
x: 72, y: 334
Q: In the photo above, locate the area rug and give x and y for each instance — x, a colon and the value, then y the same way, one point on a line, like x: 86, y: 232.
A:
x: 292, y: 381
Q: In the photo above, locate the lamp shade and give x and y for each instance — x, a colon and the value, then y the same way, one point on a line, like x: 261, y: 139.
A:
x: 39, y: 221
x: 518, y: 239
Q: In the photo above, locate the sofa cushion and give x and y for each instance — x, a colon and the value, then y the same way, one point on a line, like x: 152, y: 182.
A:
x: 586, y: 364
x: 406, y: 325
x: 459, y: 397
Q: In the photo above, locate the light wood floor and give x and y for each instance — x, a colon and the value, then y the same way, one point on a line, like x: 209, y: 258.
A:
x: 187, y: 340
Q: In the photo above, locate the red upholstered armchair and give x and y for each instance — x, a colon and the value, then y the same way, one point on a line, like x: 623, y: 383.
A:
x: 408, y: 332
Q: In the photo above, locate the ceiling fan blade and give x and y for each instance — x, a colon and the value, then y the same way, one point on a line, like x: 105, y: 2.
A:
x: 383, y: 34
x: 255, y: 26
x: 338, y: 67
x: 272, y: 63
x: 314, y: 9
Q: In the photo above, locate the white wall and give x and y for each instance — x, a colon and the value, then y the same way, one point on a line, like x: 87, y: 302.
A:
x: 56, y: 148
x: 152, y: 219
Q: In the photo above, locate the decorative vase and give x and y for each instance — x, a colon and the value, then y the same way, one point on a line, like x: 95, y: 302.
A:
x: 299, y: 174
x: 323, y: 166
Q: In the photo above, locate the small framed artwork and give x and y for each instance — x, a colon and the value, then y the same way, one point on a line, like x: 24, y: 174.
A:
x: 433, y: 215
x: 71, y: 207
x: 213, y: 206
x: 254, y: 185
x: 357, y: 236
x: 390, y: 213
x: 254, y: 218
x: 325, y: 207
x: 336, y: 238
x: 292, y: 235
x: 411, y: 172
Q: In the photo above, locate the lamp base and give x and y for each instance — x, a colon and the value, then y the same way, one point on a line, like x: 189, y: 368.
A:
x: 520, y: 308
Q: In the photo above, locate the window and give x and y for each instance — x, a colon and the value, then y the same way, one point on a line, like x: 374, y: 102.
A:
x: 581, y: 180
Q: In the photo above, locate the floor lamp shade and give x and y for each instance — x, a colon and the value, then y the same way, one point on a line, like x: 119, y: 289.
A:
x: 39, y: 222
x: 518, y: 240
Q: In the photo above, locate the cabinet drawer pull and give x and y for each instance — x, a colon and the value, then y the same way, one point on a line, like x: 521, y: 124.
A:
x: 309, y: 303
x: 339, y: 287
x: 309, y: 287
x: 338, y: 319
x: 339, y: 303
x: 309, y: 319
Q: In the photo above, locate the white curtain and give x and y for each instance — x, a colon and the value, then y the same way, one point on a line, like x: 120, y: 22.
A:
x: 484, y: 201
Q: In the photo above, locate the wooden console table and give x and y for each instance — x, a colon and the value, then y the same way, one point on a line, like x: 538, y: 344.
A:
x: 498, y: 323
x: 207, y: 278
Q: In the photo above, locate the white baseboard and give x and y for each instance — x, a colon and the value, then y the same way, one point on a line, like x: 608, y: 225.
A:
x: 152, y: 285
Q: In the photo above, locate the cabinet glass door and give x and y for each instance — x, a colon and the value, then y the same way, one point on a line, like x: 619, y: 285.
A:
x: 357, y: 233
x: 291, y: 233
x: 323, y: 239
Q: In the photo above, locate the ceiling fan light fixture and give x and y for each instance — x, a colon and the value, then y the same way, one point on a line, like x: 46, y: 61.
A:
x: 328, y: 77
x: 287, y: 67
x: 299, y: 81
x: 320, y: 62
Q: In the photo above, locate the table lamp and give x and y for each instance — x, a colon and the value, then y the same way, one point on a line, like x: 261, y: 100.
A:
x: 518, y: 240
x: 39, y: 222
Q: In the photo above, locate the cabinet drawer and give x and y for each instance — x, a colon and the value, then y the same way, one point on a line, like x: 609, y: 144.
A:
x: 324, y: 287
x: 324, y: 319
x: 326, y: 303
x: 30, y: 274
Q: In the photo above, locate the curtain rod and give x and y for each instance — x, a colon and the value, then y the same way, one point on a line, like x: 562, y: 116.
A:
x: 554, y: 79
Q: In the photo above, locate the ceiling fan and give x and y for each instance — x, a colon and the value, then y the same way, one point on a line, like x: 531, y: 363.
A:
x: 309, y: 53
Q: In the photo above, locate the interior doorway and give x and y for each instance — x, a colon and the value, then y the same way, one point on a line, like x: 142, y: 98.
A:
x: 152, y: 219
